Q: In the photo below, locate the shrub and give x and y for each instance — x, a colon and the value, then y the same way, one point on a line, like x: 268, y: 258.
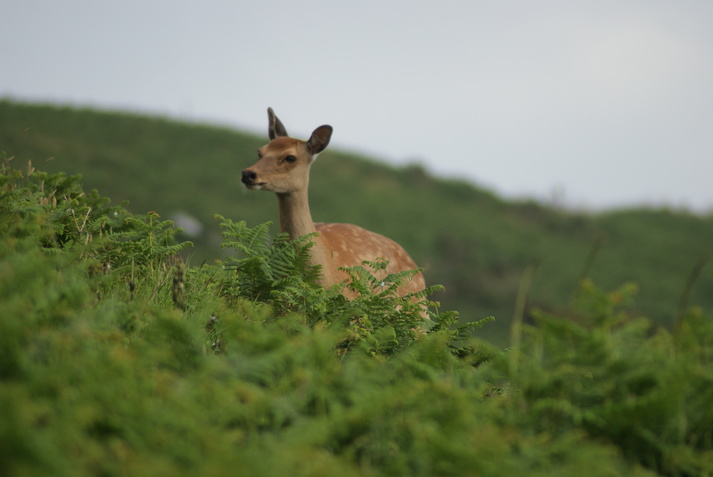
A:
x: 118, y: 359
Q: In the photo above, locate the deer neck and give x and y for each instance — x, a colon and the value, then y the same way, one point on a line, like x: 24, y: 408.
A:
x: 295, y: 217
x: 296, y: 221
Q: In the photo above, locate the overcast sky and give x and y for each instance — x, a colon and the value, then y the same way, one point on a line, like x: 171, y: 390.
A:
x: 599, y: 103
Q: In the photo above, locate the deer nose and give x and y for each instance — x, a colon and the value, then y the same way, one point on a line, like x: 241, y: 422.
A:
x: 248, y: 177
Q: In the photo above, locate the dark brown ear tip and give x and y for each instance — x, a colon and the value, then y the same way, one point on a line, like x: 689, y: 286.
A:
x: 275, y: 127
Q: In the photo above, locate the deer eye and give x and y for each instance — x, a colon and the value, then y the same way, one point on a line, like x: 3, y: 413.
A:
x: 290, y: 159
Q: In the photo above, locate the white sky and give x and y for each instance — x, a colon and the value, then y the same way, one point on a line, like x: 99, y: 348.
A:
x: 599, y: 103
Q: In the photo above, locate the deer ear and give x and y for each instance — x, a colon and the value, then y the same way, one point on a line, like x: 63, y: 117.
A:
x: 275, y: 127
x: 319, y: 140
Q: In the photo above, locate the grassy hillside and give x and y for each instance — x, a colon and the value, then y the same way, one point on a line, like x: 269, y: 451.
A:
x: 117, y: 359
x: 469, y: 240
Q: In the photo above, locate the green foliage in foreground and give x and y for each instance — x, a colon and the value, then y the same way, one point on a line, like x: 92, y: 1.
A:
x: 115, y: 359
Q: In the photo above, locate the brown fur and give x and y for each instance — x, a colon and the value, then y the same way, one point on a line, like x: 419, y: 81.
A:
x: 348, y: 245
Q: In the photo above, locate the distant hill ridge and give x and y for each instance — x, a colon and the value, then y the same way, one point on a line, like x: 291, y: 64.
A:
x: 468, y: 239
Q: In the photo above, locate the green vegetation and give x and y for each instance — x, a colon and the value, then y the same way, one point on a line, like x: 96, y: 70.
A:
x: 117, y: 358
x: 472, y: 242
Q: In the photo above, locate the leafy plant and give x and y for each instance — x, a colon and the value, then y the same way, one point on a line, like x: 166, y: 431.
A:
x: 155, y: 367
x: 613, y: 376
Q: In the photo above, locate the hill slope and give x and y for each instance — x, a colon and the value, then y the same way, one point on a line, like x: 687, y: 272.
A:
x: 469, y: 240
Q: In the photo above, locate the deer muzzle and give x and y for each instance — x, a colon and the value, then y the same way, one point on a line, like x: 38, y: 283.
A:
x: 249, y: 177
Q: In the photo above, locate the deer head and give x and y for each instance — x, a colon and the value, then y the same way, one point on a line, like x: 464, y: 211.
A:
x: 283, y: 164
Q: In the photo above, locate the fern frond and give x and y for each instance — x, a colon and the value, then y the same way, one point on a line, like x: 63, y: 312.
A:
x: 248, y: 240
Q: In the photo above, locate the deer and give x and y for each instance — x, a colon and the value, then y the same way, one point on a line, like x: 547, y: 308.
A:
x: 283, y: 168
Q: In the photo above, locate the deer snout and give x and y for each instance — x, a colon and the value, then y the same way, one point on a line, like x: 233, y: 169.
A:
x: 248, y: 177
